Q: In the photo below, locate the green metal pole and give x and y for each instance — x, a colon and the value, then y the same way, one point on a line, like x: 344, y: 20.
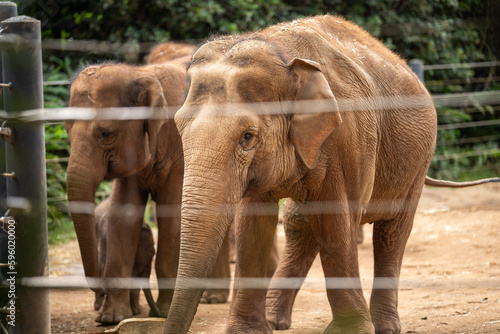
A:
x: 7, y: 10
x: 25, y: 155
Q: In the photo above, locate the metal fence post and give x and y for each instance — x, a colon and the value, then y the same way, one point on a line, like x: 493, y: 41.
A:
x: 25, y: 155
x: 417, y: 66
x: 7, y: 10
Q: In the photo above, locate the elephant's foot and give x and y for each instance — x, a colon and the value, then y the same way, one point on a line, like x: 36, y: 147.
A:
x: 116, y: 307
x: 244, y: 319
x: 99, y: 300
x: 279, y: 321
x: 279, y: 305
x: 136, y: 309
x: 161, y: 314
x: 215, y: 296
x: 114, y: 316
x: 350, y: 326
x: 248, y: 327
x: 163, y: 302
x: 249, y: 331
x: 134, y: 302
x: 162, y: 309
x: 386, y: 323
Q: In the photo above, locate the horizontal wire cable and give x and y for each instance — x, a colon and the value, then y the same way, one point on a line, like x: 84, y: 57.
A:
x: 56, y: 160
x: 127, y: 211
x: 469, y: 124
x: 461, y: 81
x: 466, y: 99
x: 57, y: 83
x: 103, y: 47
x: 378, y: 103
x: 471, y: 140
x: 461, y: 155
x: 448, y: 283
x: 461, y: 65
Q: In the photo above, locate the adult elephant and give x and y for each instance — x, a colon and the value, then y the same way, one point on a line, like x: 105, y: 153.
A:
x: 144, y: 157
x: 315, y: 110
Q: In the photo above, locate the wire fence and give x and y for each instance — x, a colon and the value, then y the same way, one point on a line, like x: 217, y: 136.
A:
x: 380, y: 104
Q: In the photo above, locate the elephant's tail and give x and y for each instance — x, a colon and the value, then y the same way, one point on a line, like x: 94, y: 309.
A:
x: 451, y: 184
x: 155, y: 311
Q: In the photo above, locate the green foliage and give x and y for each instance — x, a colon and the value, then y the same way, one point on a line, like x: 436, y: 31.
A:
x: 57, y: 150
x: 132, y: 20
x: 56, y: 69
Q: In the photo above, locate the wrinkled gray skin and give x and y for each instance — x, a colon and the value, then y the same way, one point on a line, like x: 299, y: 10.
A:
x: 142, y: 262
x: 341, y: 169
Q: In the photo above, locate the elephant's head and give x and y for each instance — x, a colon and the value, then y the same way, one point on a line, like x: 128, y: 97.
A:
x: 108, y: 148
x: 245, y: 133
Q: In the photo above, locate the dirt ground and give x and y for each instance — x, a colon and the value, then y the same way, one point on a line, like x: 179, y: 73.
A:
x: 450, y: 279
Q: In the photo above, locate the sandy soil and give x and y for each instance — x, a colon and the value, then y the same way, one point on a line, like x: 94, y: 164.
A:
x: 450, y: 275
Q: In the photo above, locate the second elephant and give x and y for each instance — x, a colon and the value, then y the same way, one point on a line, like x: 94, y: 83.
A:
x: 145, y: 158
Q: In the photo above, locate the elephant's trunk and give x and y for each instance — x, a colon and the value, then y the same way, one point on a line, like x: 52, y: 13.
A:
x: 207, y: 212
x: 82, y: 183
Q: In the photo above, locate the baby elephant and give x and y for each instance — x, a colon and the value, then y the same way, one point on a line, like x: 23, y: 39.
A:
x: 142, y: 262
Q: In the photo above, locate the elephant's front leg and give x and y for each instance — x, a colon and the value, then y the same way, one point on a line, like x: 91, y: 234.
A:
x: 300, y: 251
x: 389, y: 242
x: 255, y: 229
x: 124, y: 229
x: 168, y: 213
x: 167, y: 260
x: 336, y: 235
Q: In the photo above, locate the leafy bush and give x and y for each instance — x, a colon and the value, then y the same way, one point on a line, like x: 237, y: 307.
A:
x: 57, y: 150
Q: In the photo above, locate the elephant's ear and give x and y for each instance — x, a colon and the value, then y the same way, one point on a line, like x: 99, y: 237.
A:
x: 150, y: 93
x: 312, y: 122
x: 68, y: 125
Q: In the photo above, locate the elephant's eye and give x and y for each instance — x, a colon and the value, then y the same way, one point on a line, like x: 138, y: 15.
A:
x: 248, y: 136
x: 248, y: 140
x: 106, y: 136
